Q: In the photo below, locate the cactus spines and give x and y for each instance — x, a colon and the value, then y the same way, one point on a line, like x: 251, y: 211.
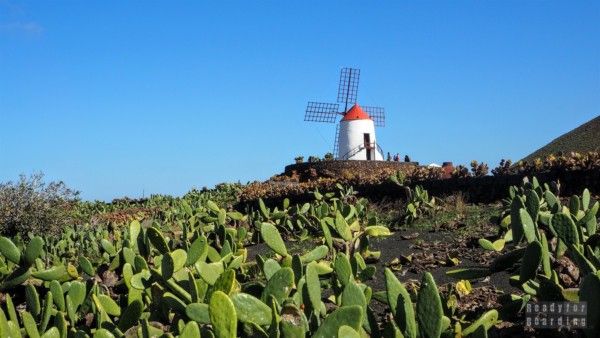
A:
x: 515, y: 223
x: 134, y: 230
x: 347, y: 331
x: 57, y: 272
x: 9, y: 250
x: 167, y: 266
x: 198, y: 312
x: 34, y: 250
x: 251, y: 309
x: 545, y: 256
x: 86, y: 266
x: 10, y: 307
x: 400, y: 304
x: 552, y: 200
x: 589, y: 220
x: 271, y: 236
x: 280, y: 285
x: 108, y: 247
x: 313, y: 287
x: 429, y: 308
x: 57, y: 294
x: 191, y: 330
x: 265, y: 212
x: 574, y: 204
x: 179, y: 257
x: 270, y: 266
x: 342, y: 268
x: 47, y: 312
x: 528, y: 225
x: 532, y: 204
x: 346, y: 315
x: 342, y: 228
x: 486, y: 321
x: 353, y: 295
x: 131, y: 315
x: 225, y: 282
x: 109, y: 305
x: 157, y: 239
x: 326, y: 234
x: 317, y: 253
x: 565, y: 228
x: 30, y: 325
x: 531, y: 261
x: 222, y: 315
x: 197, y: 250
x: 33, y: 299
x: 209, y: 272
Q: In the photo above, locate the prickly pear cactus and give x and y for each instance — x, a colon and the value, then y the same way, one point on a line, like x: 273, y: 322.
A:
x: 222, y: 315
x: 429, y: 308
x: 531, y: 261
x: 400, y: 305
x: 346, y: 315
x: 565, y: 228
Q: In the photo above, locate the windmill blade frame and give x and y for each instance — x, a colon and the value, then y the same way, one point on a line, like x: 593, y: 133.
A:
x: 336, y: 141
x: 377, y: 114
x: 348, y: 86
x: 321, y: 112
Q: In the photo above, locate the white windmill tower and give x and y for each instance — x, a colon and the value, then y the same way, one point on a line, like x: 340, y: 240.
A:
x: 355, y: 134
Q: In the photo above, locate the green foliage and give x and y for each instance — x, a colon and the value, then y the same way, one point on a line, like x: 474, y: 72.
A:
x: 429, y: 308
x: 196, y: 279
x: 186, y: 271
x: 32, y: 206
x: 222, y: 315
x: 418, y: 204
x: 400, y: 305
x: 552, y: 231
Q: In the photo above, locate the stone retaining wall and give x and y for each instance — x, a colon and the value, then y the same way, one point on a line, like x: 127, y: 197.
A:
x: 337, y: 168
x: 484, y: 189
x: 493, y: 188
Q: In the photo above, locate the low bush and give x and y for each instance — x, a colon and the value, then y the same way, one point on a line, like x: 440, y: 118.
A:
x: 30, y: 205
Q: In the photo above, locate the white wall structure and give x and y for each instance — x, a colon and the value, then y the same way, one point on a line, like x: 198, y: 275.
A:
x: 356, y: 140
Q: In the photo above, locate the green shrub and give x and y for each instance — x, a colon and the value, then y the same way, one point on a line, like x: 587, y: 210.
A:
x: 30, y: 205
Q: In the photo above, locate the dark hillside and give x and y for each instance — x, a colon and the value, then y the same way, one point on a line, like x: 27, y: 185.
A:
x: 581, y: 139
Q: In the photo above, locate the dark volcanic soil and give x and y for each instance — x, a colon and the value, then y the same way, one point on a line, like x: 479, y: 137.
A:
x: 410, y: 252
x: 431, y: 251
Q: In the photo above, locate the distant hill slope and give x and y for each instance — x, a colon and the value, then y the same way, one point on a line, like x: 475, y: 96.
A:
x: 584, y: 138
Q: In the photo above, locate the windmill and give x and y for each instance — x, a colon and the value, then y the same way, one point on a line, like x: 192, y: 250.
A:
x: 355, y: 132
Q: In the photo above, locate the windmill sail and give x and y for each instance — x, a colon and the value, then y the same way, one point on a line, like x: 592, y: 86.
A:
x: 348, y: 87
x: 336, y: 144
x: 377, y: 114
x: 321, y: 112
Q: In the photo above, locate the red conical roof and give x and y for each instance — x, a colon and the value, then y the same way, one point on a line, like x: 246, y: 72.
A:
x: 356, y: 113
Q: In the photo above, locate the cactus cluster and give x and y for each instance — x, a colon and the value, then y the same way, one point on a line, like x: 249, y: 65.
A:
x: 187, y: 274
x: 418, y: 204
x: 541, y: 231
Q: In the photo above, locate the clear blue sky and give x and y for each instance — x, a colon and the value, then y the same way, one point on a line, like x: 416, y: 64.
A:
x: 124, y: 97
